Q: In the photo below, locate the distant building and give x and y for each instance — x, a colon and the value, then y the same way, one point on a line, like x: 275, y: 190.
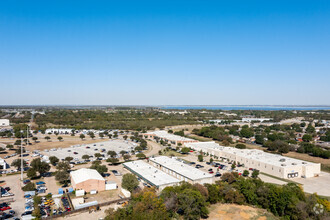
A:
x: 170, y: 138
x: 87, y: 179
x: 255, y: 119
x: 4, y: 122
x: 59, y: 130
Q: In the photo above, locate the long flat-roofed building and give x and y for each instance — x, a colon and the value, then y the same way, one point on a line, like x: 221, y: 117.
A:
x: 273, y: 164
x: 170, y: 138
x: 181, y: 170
x: 151, y: 175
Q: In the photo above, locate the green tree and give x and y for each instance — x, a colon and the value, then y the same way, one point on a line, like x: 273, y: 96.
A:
x: 200, y: 158
x: 122, y: 153
x: 126, y: 157
x: 17, y: 163
x: 240, y: 146
x: 100, y: 168
x: 62, y: 176
x: 141, y: 156
x: 40, y: 166
x: 29, y: 187
x: 192, y: 204
x: 68, y: 159
x: 91, y: 135
x: 125, y: 137
x: 82, y: 137
x: 59, y: 138
x: 246, y: 173
x: 101, y: 135
x: 85, y: 157
x: 233, y: 166
x: 185, y: 150
x: 129, y: 182
x: 255, y: 174
x: 53, y: 160
x: 64, y: 166
x: 307, y: 138
x: 247, y: 132
x: 112, y: 153
x: 31, y: 173
x: 98, y: 155
x: 47, y: 138
x: 310, y: 128
x: 112, y: 160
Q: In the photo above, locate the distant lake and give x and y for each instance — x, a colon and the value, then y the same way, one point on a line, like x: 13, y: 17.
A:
x: 248, y: 107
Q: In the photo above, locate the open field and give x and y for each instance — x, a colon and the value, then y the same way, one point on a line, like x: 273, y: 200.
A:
x: 43, y: 144
x: 238, y: 212
x: 308, y: 158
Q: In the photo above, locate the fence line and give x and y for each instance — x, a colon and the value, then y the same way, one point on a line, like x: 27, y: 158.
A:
x: 87, y: 208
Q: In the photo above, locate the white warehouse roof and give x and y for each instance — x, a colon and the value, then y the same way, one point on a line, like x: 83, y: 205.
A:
x: 172, y: 137
x: 151, y: 174
x: 253, y: 154
x: 84, y: 174
x: 204, y: 145
x: 181, y: 168
x: 268, y: 158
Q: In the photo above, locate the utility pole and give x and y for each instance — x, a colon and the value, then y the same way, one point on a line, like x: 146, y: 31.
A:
x: 22, y: 156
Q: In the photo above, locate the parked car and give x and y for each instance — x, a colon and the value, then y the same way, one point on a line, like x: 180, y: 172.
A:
x: 4, y: 206
x: 217, y: 174
x: 26, y: 181
x: 40, y: 183
x: 27, y: 213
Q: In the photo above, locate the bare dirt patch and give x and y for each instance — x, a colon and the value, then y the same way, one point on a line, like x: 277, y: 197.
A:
x: 233, y: 211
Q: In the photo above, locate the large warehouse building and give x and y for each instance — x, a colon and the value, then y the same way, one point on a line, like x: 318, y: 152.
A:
x: 150, y: 174
x: 180, y: 170
x: 170, y: 138
x: 273, y: 164
x: 87, y: 179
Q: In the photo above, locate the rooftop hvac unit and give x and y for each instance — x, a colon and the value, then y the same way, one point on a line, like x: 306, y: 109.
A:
x: 294, y: 164
x: 283, y: 165
x: 282, y: 160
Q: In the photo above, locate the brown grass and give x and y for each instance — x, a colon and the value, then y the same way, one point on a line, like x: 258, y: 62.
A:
x: 308, y: 158
x: 239, y: 212
x: 67, y: 141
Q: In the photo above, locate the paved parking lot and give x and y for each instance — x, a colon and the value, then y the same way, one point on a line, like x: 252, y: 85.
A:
x: 13, y: 181
x: 319, y: 185
x: 91, y: 149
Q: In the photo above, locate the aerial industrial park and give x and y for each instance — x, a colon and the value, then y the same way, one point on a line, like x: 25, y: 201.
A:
x: 87, y: 175
x: 164, y: 110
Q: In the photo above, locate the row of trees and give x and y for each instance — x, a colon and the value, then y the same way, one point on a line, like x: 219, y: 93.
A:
x: 192, y: 201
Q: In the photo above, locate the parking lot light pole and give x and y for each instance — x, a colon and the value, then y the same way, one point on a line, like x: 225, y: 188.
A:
x: 22, y: 157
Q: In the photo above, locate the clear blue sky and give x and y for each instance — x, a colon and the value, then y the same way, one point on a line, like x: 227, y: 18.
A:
x: 165, y: 52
